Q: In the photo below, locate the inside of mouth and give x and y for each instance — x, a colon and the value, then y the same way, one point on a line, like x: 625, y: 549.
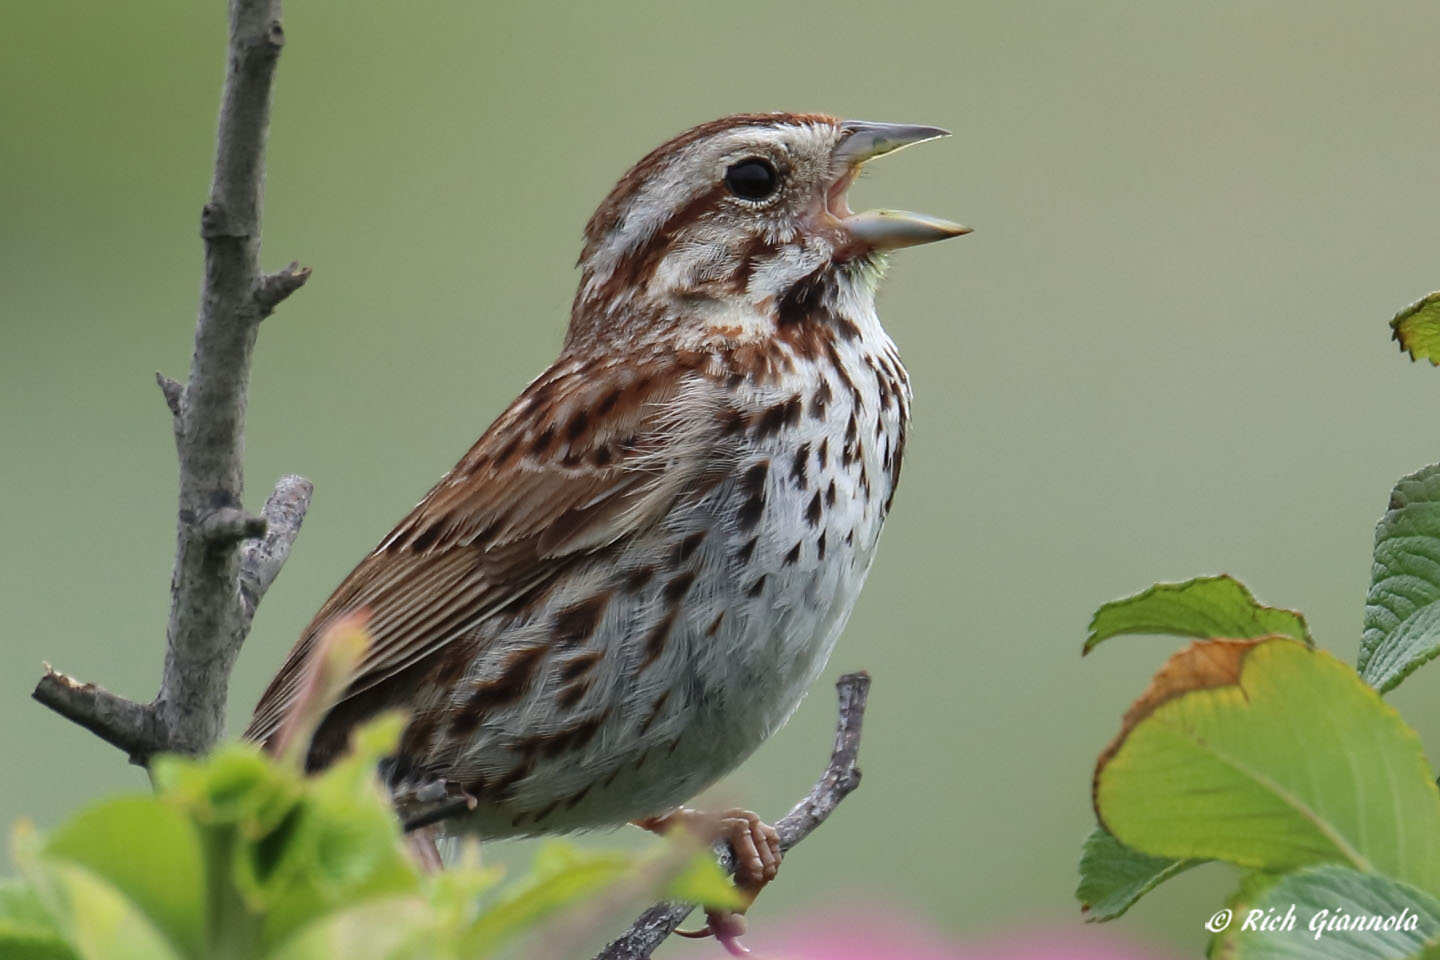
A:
x: 836, y: 201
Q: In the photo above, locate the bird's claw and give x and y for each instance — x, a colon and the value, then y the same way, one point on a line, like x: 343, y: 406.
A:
x: 756, y: 846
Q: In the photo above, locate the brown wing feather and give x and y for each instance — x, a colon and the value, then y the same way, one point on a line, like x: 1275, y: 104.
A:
x: 583, y: 458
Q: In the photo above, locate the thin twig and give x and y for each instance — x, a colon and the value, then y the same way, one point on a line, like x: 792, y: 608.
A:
x: 174, y: 392
x: 261, y: 560
x: 841, y: 777
x: 216, y: 582
x: 133, y: 727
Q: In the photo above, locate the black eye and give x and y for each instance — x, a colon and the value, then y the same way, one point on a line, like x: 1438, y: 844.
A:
x: 752, y: 179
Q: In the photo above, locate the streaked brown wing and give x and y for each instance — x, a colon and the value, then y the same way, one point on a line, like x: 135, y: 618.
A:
x: 582, y: 459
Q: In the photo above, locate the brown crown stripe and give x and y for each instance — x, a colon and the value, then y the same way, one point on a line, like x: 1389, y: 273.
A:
x: 608, y: 214
x: 756, y: 587
x: 820, y: 545
x: 793, y: 557
x: 575, y: 624
x: 822, y: 455
x: 747, y: 550
x: 714, y: 627
x: 830, y: 494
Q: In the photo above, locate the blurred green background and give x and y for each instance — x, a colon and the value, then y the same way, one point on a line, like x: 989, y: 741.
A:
x: 1162, y: 353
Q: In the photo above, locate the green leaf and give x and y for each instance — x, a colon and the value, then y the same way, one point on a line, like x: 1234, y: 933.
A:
x: 1271, y: 755
x: 147, y: 851
x: 27, y: 928
x: 1285, y: 917
x: 235, y: 784
x: 703, y: 882
x: 96, y: 918
x: 389, y: 928
x: 1402, y: 610
x: 1113, y: 876
x: 1204, y: 608
x: 560, y: 876
x: 1417, y: 329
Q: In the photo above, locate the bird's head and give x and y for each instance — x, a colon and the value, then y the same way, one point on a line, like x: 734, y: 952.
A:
x: 718, y: 226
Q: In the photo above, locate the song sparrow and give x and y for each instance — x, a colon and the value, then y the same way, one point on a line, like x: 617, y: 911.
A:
x: 633, y: 577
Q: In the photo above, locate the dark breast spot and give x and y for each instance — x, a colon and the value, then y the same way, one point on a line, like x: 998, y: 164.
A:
x: 814, y: 511
x: 678, y: 586
x: 658, y: 636
x: 637, y: 578
x: 752, y: 490
x: 689, y: 545
x: 516, y: 674
x: 798, y: 469
x: 783, y: 414
x: 575, y: 624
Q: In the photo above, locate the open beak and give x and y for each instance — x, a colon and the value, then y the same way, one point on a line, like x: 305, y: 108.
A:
x: 883, y: 229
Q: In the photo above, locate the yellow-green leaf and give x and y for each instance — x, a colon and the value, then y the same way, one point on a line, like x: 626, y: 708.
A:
x: 1417, y: 329
x: 1271, y: 755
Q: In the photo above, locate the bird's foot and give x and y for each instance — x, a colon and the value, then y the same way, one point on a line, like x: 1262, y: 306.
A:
x: 757, y: 859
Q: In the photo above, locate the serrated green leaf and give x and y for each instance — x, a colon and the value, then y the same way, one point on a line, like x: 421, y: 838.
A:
x: 1113, y: 876
x: 1273, y: 756
x: 235, y: 784
x: 150, y: 853
x: 1417, y: 329
x: 1402, y: 609
x: 1204, y: 608
x: 1311, y: 900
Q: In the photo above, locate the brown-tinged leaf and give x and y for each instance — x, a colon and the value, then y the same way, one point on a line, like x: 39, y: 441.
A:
x: 1417, y: 329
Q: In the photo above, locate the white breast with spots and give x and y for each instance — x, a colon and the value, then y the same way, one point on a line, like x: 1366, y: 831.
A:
x: 719, y: 620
